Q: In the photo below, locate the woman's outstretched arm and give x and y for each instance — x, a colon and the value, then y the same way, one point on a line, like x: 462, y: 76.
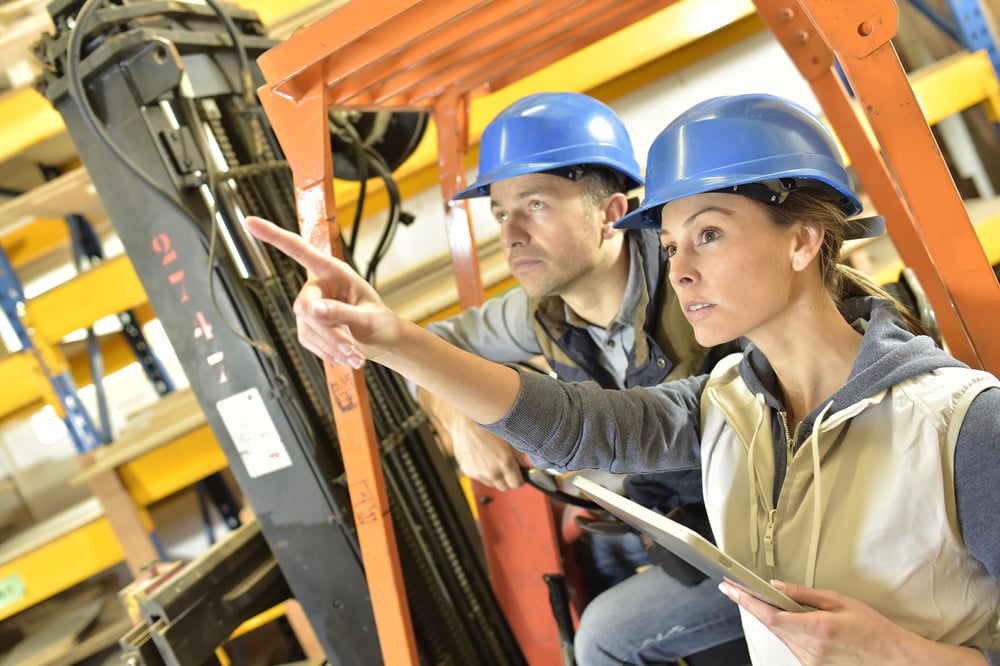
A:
x: 342, y: 319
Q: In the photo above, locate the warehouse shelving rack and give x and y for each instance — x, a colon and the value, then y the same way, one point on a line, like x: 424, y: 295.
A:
x: 75, y: 545
x: 88, y: 539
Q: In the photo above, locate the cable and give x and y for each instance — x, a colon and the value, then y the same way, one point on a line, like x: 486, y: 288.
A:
x: 211, y: 175
x: 392, y: 221
x: 74, y: 51
x: 246, y: 75
x: 253, y: 109
x: 361, y: 163
x: 73, y: 55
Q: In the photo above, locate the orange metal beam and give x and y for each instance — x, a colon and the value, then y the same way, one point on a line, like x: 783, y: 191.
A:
x: 517, y: 551
x: 905, y: 174
x: 451, y: 115
x: 419, y: 55
x: 301, y: 127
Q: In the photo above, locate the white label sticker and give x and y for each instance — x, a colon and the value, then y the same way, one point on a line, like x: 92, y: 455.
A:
x: 253, y: 433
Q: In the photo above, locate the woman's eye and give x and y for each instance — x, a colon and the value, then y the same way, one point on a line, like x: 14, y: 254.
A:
x: 709, y: 235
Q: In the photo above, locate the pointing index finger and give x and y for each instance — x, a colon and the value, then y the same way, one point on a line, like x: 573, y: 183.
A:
x: 291, y: 244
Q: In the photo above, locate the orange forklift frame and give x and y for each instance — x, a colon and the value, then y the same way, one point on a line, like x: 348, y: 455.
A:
x: 434, y: 56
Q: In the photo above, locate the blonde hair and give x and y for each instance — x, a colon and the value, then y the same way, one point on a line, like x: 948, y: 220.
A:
x: 812, y: 206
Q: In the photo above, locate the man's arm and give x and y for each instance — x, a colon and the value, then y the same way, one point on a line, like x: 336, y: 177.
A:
x: 480, y: 454
x: 499, y: 330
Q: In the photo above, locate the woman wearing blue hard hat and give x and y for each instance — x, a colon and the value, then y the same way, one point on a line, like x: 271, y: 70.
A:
x: 844, y: 456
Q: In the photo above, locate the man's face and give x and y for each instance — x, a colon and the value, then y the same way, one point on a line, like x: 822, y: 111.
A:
x: 550, y: 235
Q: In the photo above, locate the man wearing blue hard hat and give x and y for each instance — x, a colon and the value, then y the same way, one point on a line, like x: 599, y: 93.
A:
x: 594, y: 302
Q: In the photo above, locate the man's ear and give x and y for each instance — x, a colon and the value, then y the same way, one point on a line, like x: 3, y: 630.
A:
x: 808, y: 241
x: 615, y: 206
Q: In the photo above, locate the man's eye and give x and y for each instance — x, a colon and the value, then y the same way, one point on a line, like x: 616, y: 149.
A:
x: 501, y: 217
x: 670, y: 250
x: 536, y: 205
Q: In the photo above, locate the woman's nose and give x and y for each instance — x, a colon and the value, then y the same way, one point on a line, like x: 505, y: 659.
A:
x: 681, y: 269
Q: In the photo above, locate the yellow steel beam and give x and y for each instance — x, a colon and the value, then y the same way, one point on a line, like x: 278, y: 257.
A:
x: 173, y: 466
x: 28, y: 383
x: 28, y: 119
x: 275, y: 11
x: 987, y: 229
x: 32, y: 242
x: 956, y: 83
x: 696, y: 49
x: 108, y: 289
x: 258, y: 621
x: 19, y: 373
x: 21, y: 396
x: 59, y: 564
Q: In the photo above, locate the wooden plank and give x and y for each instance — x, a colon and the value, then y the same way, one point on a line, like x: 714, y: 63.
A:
x: 55, y: 637
x: 125, y: 519
x: 172, y: 416
x: 111, y: 624
x: 46, y: 531
x: 69, y: 194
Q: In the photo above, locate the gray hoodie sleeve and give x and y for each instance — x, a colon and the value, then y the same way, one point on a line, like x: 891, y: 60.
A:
x: 499, y: 330
x: 977, y: 486
x: 576, y: 425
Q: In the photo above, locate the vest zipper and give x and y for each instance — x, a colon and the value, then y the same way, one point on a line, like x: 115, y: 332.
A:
x: 769, y: 532
x: 769, y: 539
x: 789, y: 442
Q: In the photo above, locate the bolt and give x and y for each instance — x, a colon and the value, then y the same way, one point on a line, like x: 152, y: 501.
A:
x: 786, y: 14
x: 865, y: 29
x: 801, y: 37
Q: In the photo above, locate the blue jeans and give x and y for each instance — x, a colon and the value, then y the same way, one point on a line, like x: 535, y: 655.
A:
x: 608, y: 559
x: 651, y: 618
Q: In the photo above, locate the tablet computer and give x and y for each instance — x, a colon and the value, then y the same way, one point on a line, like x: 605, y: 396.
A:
x: 685, y: 543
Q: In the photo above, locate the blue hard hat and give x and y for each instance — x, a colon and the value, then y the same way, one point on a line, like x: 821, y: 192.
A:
x: 757, y: 140
x: 549, y: 131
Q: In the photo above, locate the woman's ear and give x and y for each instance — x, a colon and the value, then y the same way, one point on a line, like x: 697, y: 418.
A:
x: 615, y: 206
x: 807, y: 244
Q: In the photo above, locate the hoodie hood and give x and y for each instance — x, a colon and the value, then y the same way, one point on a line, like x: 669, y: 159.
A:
x: 889, y: 354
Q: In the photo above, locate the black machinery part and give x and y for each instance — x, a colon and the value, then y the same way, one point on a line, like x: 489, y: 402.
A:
x: 158, y: 99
